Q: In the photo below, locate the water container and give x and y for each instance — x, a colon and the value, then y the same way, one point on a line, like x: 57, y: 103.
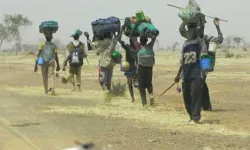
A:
x: 40, y: 61
x: 212, y: 47
x: 124, y: 66
x: 140, y: 16
x: 116, y: 56
x: 206, y: 64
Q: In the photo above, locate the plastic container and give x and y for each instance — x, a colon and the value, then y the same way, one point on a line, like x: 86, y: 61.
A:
x: 124, y: 66
x: 206, y: 63
x: 140, y: 17
x: 116, y: 56
x: 40, y: 61
x: 212, y: 47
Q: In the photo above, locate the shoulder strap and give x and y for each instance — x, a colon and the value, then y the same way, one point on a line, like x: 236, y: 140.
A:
x: 72, y: 44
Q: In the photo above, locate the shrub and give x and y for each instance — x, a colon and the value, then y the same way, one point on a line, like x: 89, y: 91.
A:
x: 118, y: 89
x: 228, y: 54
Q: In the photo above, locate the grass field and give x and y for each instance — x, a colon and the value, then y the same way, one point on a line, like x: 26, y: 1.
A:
x: 31, y: 120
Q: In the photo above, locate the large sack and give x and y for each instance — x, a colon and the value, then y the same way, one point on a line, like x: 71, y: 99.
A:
x: 146, y: 29
x: 51, y: 26
x: 101, y: 26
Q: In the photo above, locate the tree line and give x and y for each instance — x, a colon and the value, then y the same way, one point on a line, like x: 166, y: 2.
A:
x: 10, y: 32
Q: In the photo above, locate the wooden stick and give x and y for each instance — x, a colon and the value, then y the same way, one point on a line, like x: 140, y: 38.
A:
x: 204, y: 14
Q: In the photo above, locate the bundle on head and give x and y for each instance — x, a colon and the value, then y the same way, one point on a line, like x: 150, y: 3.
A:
x: 140, y: 25
x: 101, y: 27
x: 189, y: 13
x: 48, y: 27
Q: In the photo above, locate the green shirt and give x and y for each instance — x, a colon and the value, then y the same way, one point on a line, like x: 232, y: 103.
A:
x: 146, y: 55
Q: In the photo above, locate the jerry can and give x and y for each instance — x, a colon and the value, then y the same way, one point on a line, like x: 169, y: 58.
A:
x: 140, y: 17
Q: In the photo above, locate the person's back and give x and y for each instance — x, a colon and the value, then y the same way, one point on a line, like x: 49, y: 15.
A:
x: 146, y: 55
x: 76, y: 53
x: 146, y: 62
x: 104, y: 48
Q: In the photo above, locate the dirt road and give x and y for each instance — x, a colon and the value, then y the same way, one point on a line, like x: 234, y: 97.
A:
x: 30, y: 120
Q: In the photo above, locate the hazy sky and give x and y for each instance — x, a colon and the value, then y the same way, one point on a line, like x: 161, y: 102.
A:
x: 72, y: 14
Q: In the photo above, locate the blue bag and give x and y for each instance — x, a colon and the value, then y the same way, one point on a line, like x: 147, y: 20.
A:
x: 40, y: 61
x: 102, y: 26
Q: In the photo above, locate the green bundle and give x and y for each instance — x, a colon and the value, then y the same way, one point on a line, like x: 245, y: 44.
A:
x: 190, y: 13
x: 140, y: 25
x: 51, y: 26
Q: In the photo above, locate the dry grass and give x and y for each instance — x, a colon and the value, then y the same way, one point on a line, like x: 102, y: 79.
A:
x: 168, y: 119
x: 165, y: 116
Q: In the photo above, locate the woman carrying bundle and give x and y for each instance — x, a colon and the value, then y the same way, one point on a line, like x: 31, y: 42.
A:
x: 131, y: 62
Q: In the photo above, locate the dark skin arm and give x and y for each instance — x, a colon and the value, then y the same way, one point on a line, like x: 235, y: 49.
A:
x: 219, y: 39
x: 57, y: 62
x: 178, y: 76
x: 152, y: 42
x: 183, y: 30
x: 124, y: 46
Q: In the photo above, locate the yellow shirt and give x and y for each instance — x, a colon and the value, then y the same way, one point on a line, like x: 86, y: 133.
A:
x: 41, y: 45
x: 50, y: 55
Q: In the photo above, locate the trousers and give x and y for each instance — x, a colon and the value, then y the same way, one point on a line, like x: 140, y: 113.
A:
x: 105, y: 77
x: 192, y: 92
x: 48, y: 75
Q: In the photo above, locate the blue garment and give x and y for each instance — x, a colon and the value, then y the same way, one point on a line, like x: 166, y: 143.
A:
x: 131, y: 71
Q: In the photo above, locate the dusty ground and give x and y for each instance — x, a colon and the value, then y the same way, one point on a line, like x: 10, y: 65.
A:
x: 31, y: 120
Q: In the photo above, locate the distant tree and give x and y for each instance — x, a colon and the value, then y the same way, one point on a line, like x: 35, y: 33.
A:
x: 18, y: 46
x: 10, y: 28
x: 30, y: 48
x: 228, y: 41
x: 175, y: 45
x: 237, y: 41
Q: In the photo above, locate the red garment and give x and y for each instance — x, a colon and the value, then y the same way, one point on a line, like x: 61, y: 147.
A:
x: 137, y: 45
